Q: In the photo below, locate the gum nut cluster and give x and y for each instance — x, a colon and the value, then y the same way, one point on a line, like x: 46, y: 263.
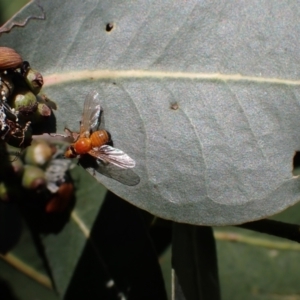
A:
x: 41, y: 173
x: 20, y: 105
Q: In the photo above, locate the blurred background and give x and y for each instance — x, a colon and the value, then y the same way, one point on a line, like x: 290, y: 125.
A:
x: 8, y: 8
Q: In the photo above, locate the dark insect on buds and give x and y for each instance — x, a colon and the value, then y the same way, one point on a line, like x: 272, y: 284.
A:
x: 9, y: 59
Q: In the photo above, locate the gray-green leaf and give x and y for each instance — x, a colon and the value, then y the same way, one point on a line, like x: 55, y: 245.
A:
x: 204, y: 95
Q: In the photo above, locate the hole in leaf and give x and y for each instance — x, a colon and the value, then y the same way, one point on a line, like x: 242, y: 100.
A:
x: 296, y: 164
x: 174, y: 106
x: 109, y: 27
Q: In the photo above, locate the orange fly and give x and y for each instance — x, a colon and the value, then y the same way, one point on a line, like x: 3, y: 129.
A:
x: 94, y: 142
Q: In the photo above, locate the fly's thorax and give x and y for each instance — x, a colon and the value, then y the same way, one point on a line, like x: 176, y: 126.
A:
x: 82, y: 145
x: 99, y: 138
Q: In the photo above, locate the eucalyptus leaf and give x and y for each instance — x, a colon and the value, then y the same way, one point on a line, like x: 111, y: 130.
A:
x: 64, y: 249
x: 16, y: 286
x: 24, y: 269
x: 203, y: 95
x: 127, y: 264
x: 250, y: 270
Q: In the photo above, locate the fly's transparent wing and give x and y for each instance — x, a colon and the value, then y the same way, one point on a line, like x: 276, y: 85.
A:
x: 91, y: 112
x: 125, y: 176
x: 96, y: 167
x: 114, y: 156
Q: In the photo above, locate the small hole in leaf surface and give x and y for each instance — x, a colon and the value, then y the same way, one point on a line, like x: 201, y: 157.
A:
x: 296, y: 164
x: 109, y: 27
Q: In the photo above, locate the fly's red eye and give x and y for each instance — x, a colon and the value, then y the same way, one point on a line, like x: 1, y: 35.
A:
x: 83, y: 145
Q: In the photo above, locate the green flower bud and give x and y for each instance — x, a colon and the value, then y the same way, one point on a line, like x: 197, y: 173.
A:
x: 34, y: 80
x: 38, y: 153
x: 24, y: 101
x: 33, y: 178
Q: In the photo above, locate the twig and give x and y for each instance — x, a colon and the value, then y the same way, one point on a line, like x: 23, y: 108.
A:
x: 276, y: 228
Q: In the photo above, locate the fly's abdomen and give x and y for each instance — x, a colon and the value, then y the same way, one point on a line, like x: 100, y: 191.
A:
x: 99, y: 138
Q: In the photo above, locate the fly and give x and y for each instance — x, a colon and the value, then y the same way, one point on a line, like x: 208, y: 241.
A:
x: 94, y: 142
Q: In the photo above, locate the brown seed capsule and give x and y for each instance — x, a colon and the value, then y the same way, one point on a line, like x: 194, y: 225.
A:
x: 61, y: 199
x: 9, y: 58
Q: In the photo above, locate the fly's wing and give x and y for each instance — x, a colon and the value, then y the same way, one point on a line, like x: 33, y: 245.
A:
x: 91, y: 113
x: 97, y: 166
x: 125, y: 176
x: 114, y: 156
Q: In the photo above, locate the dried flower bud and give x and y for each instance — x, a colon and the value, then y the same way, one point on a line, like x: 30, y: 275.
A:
x: 38, y: 153
x: 45, y: 100
x: 43, y: 110
x: 33, y: 178
x: 9, y: 59
x: 39, y: 115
